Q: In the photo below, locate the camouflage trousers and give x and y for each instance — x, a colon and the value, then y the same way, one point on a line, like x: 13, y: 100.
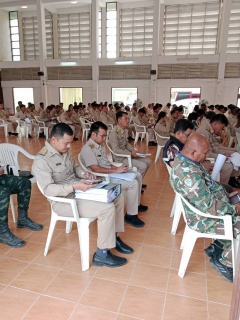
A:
x: 218, y: 228
x: 13, y: 185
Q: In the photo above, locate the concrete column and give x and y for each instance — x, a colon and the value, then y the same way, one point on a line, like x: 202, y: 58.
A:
x: 94, y: 48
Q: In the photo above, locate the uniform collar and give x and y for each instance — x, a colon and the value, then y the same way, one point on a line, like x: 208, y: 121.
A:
x: 122, y: 130
x: 210, y: 127
x: 52, y: 150
x: 182, y: 157
x: 96, y: 145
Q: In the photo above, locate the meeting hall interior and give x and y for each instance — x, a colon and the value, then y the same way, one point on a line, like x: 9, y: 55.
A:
x: 86, y: 66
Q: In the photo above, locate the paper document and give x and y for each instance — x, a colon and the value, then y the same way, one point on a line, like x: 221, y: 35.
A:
x: 128, y: 176
x: 218, y: 166
x: 94, y: 189
x: 235, y: 160
x: 143, y: 155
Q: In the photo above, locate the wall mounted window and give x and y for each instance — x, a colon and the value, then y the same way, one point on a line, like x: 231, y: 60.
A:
x: 74, y: 35
x: 111, y: 8
x: 187, y: 97
x: 191, y: 28
x: 22, y: 94
x: 49, y: 35
x: 136, y: 32
x: 233, y: 45
x: 14, y: 34
x: 238, y: 101
x: 126, y: 95
x: 70, y: 95
x: 30, y: 38
x: 100, y: 33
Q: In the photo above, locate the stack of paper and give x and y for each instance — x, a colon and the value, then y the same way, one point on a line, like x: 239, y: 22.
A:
x: 127, y: 176
x: 143, y: 155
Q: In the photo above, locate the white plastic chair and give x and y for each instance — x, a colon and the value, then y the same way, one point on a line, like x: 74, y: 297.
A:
x: 159, y: 147
x: 85, y: 127
x: 82, y: 227
x: 190, y: 236
x: 4, y: 125
x: 104, y: 175
x: 128, y: 156
x: 9, y: 155
x: 22, y: 125
x: 238, y: 141
x: 142, y: 131
x: 42, y: 126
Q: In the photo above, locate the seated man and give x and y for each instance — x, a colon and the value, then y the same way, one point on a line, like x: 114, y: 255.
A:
x: 105, y: 118
x: 94, y: 157
x: 191, y: 180
x: 22, y: 187
x: 12, y: 125
x: 97, y: 112
x: 173, y: 118
x: 162, y: 126
x: 209, y: 130
x: 119, y: 144
x: 59, y: 176
x: 67, y: 118
x: 139, y: 120
x: 45, y: 116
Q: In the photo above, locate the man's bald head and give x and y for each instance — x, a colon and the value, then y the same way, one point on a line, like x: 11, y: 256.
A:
x: 196, y: 147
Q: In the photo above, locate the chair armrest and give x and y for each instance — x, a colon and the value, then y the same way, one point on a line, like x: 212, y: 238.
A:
x: 28, y: 155
x: 60, y: 199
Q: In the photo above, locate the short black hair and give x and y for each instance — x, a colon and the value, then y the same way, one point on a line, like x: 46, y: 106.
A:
x: 196, y: 108
x: 75, y: 107
x: 120, y: 114
x: 49, y: 107
x: 96, y: 126
x: 161, y: 115
x: 169, y: 104
x: 41, y: 103
x: 210, y: 115
x: 220, y: 107
x: 60, y: 129
x: 182, y: 125
x: 201, y: 112
x: 173, y: 111
x: 180, y: 108
x: 193, y: 116
x: 156, y: 107
x: 142, y: 110
x: 220, y: 118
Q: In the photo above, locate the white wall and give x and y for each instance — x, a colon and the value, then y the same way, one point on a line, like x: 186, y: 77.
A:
x: 5, y: 48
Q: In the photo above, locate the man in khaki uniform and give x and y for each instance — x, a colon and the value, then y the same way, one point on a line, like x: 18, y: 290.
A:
x: 22, y: 115
x: 67, y: 118
x: 119, y: 144
x: 208, y: 130
x: 58, y: 175
x: 76, y: 116
x: 56, y: 112
x: 97, y: 113
x: 173, y: 119
x: 105, y: 118
x: 45, y: 116
x: 167, y: 109
x: 156, y: 110
x: 111, y: 112
x: 140, y: 121
x: 94, y: 157
x: 12, y: 125
x: 35, y: 125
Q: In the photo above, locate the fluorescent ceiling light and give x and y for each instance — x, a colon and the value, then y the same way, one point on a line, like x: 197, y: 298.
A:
x: 124, y: 62
x: 73, y: 2
x: 68, y: 64
x: 24, y: 7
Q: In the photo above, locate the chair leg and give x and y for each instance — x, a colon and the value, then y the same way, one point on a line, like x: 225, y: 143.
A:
x: 50, y: 232
x: 235, y: 244
x: 143, y: 136
x: 158, y: 153
x: 173, y: 207
x: 136, y: 138
x: 68, y: 226
x: 184, y: 237
x: 83, y: 234
x: 6, y: 130
x: 187, y: 251
x: 12, y: 208
x: 83, y: 134
x: 176, y: 218
x: 147, y: 138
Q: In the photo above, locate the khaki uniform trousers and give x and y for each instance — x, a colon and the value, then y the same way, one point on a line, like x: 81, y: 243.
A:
x: 110, y: 217
x: 142, y: 165
x: 77, y: 128
x: 131, y: 129
x: 12, y: 126
x: 133, y: 193
x: 151, y: 134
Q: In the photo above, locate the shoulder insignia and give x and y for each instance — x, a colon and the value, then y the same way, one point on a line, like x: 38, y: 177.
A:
x: 42, y: 152
x: 208, y: 129
x: 91, y: 146
x: 118, y: 130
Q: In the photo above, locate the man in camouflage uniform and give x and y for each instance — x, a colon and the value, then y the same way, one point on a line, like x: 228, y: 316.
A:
x: 190, y: 179
x: 22, y: 187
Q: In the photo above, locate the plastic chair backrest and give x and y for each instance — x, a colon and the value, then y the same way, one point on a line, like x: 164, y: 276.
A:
x: 143, y: 128
x: 159, y: 138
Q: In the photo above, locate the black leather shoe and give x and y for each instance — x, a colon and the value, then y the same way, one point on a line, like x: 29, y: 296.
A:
x: 14, y: 134
x: 130, y: 139
x: 144, y: 186
x: 214, y: 248
x: 142, y: 208
x: 28, y: 223
x: 234, y: 183
x: 29, y: 136
x: 8, y: 238
x: 152, y: 144
x: 110, y: 260
x: 142, y: 191
x: 75, y: 139
x: 123, y: 247
x: 225, y: 272
x: 134, y: 221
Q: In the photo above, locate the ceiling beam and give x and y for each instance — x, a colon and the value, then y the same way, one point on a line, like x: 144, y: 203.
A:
x: 17, y: 3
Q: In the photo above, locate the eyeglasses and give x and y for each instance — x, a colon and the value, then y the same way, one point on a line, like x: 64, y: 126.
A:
x: 104, y: 136
x: 186, y: 134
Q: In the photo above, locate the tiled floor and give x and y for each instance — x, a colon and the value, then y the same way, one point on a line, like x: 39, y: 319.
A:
x: 54, y: 287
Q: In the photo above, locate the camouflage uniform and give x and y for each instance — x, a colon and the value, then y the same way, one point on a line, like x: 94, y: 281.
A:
x: 13, y: 185
x: 190, y: 179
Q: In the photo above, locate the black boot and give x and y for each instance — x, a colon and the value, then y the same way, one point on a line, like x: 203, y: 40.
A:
x: 8, y: 238
x: 25, y: 222
x: 215, y: 248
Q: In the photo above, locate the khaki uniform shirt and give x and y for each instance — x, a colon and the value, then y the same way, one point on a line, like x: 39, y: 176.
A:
x: 4, y: 115
x: 44, y: 116
x: 172, y: 123
x: 97, y: 115
x: 93, y: 153
x: 119, y: 143
x: 215, y: 147
x: 111, y: 114
x: 75, y: 117
x: 167, y: 110
x: 134, y: 113
x: 106, y: 119
x: 66, y: 119
x: 22, y: 115
x: 55, y: 114
x: 55, y: 172
x: 163, y: 128
x: 232, y: 119
x: 155, y: 115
